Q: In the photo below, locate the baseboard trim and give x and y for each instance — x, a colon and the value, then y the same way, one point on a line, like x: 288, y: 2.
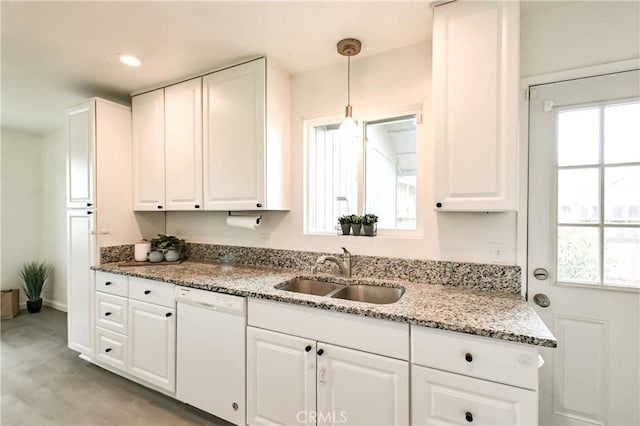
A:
x: 50, y: 303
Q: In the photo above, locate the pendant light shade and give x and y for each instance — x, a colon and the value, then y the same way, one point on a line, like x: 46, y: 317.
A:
x: 349, y: 47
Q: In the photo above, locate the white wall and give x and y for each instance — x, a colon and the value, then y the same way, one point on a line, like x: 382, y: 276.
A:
x: 386, y: 82
x: 53, y: 217
x: 21, y: 204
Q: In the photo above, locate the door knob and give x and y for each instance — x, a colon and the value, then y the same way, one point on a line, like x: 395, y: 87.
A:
x: 541, y: 274
x: 542, y: 300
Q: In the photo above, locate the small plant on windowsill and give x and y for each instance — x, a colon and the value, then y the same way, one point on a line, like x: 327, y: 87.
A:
x: 345, y: 224
x: 369, y: 223
x: 356, y: 223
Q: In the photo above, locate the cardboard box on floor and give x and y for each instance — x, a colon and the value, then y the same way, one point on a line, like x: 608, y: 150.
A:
x: 9, y: 303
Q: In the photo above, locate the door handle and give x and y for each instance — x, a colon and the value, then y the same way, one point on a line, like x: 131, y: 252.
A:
x: 541, y: 274
x: 541, y: 300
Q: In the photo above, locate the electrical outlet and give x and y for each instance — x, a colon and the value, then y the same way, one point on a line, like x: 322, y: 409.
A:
x: 497, y: 252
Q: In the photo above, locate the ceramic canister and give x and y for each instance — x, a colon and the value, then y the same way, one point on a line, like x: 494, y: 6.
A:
x: 141, y: 249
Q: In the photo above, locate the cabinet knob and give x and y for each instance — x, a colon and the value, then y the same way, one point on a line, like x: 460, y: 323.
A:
x: 235, y: 406
x: 107, y: 283
x: 320, y: 352
x: 308, y: 348
x: 89, y: 212
x: 106, y: 314
x: 89, y: 204
x: 197, y: 206
x: 468, y: 416
x: 160, y: 207
x: 147, y: 291
x: 108, y: 350
x: 438, y: 205
x: 168, y: 314
x: 468, y: 357
x: 258, y: 205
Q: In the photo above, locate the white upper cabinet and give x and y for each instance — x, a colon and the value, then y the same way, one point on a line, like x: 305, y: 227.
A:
x: 148, y: 151
x: 183, y: 145
x: 475, y: 105
x: 81, y: 156
x: 246, y: 138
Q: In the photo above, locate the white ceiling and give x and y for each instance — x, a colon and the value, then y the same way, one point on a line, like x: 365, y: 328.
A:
x: 56, y: 54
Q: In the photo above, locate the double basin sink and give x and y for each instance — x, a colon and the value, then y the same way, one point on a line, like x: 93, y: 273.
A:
x: 354, y: 292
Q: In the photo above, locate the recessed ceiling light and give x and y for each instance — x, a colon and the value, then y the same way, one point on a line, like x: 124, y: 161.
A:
x: 130, y: 60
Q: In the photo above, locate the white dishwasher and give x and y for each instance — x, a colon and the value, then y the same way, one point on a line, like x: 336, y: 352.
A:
x: 210, y: 355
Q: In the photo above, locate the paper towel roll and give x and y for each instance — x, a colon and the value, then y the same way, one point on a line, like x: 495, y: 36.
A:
x: 141, y: 249
x: 247, y: 222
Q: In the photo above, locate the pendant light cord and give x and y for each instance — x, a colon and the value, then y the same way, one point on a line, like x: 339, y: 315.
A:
x: 349, y: 80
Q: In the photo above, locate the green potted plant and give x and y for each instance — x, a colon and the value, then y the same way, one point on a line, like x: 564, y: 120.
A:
x: 345, y: 224
x: 369, y: 222
x: 174, y: 248
x: 356, y: 223
x: 34, y: 276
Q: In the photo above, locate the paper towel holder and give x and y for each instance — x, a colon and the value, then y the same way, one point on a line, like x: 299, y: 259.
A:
x: 258, y: 218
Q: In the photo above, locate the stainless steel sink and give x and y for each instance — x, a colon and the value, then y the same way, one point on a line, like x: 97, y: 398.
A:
x: 369, y: 294
x: 315, y: 287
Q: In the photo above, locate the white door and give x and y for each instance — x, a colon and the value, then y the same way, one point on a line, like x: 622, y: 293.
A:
x: 81, y: 256
x: 359, y: 388
x: 81, y: 156
x: 152, y: 344
x: 281, y: 379
x: 147, y: 115
x: 584, y: 229
x: 183, y: 145
x: 234, y: 137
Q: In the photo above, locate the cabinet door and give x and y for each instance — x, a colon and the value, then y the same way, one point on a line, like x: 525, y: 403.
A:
x: 441, y: 398
x: 358, y: 388
x: 281, y: 382
x: 81, y: 156
x: 234, y: 137
x: 148, y: 150
x: 475, y: 105
x: 152, y: 344
x: 183, y: 145
x: 81, y: 255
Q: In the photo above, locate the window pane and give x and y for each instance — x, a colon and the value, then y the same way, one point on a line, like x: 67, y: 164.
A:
x: 622, y: 256
x: 578, y: 254
x: 390, y: 172
x: 578, y: 137
x: 622, y: 194
x: 332, y: 176
x: 622, y: 133
x: 578, y: 196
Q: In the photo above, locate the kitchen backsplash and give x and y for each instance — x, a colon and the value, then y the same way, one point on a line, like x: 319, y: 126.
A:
x: 504, y: 278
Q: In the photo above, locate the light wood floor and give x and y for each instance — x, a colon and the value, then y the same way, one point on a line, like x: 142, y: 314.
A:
x: 44, y: 383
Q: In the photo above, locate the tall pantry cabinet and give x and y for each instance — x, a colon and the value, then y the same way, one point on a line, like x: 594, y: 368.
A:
x: 99, y: 211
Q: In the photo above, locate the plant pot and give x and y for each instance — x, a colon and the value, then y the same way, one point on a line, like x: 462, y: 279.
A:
x: 171, y: 255
x: 346, y: 228
x: 356, y: 228
x: 370, y: 230
x: 34, y: 306
x: 155, y: 256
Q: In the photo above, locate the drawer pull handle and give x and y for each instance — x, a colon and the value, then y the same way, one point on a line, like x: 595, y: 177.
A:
x: 147, y: 291
x: 468, y: 357
x: 468, y: 416
x: 106, y: 314
x: 308, y: 348
x: 168, y: 314
x: 320, y: 352
x: 107, y: 283
x: 235, y: 406
x: 108, y: 350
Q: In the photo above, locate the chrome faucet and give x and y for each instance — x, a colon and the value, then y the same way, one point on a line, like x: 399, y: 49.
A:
x: 344, y: 264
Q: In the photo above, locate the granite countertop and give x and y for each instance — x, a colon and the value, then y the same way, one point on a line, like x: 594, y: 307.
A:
x: 491, y: 314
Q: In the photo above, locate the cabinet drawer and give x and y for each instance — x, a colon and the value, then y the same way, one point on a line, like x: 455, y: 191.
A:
x: 481, y: 357
x: 112, y: 283
x: 150, y: 291
x: 112, y: 348
x: 111, y: 312
x: 439, y: 398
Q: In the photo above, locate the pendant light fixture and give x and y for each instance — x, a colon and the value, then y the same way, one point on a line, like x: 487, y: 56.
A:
x: 349, y: 47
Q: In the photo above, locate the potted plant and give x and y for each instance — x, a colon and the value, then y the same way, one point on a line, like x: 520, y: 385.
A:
x: 34, y: 276
x: 345, y: 224
x: 356, y: 223
x: 174, y: 248
x: 369, y: 222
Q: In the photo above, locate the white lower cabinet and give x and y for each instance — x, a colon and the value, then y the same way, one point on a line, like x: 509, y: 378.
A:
x: 442, y: 398
x: 152, y: 344
x: 111, y: 348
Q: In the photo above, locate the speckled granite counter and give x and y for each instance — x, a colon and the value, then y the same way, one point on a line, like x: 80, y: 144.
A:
x: 492, y: 314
